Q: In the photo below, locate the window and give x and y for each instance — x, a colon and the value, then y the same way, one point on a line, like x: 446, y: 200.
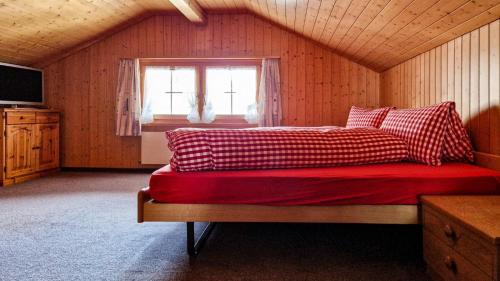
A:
x: 180, y: 88
x: 231, y: 89
x: 172, y: 89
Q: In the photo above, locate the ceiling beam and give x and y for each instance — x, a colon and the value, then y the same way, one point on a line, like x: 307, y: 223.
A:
x: 190, y: 9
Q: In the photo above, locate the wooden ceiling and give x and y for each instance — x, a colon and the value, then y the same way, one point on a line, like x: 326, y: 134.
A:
x: 34, y: 29
x: 375, y: 33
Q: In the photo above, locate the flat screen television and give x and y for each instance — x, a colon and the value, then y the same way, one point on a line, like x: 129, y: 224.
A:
x: 20, y: 85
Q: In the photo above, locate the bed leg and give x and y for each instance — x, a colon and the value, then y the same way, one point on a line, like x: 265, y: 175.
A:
x: 194, y: 247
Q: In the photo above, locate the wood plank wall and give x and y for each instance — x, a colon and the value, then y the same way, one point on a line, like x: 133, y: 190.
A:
x: 318, y: 86
x: 464, y: 70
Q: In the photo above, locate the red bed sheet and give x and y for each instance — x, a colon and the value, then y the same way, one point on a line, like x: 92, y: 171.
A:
x: 389, y: 184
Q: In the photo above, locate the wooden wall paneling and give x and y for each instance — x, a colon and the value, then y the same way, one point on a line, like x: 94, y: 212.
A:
x: 318, y: 86
x: 427, y: 71
x: 494, y: 96
x: 483, y: 141
x: 432, y: 77
x: 293, y: 78
x: 344, y: 90
x: 353, y: 85
x: 458, y: 75
x: 438, y: 75
x: 474, y: 85
x: 418, y: 88
x: 464, y: 70
x: 284, y: 73
x: 301, y: 84
x: 361, y: 91
x: 444, y: 72
x: 309, y: 94
x: 336, y: 88
x: 327, y: 116
x: 451, y: 66
x: 317, y: 90
x: 465, y: 79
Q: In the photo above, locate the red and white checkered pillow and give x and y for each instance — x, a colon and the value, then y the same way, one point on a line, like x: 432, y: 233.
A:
x: 365, y: 117
x: 422, y: 128
x: 191, y: 149
x: 457, y: 145
x: 434, y: 133
x: 263, y: 148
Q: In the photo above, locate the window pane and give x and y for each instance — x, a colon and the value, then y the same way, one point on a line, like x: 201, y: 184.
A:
x: 172, y: 90
x: 157, y: 82
x: 184, y: 88
x: 244, y: 84
x: 218, y: 81
x: 231, y: 89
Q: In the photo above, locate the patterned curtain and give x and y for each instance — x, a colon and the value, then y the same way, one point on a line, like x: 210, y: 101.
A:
x: 269, y: 108
x: 128, y: 99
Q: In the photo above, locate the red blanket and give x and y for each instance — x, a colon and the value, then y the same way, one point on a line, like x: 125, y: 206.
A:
x: 272, y: 148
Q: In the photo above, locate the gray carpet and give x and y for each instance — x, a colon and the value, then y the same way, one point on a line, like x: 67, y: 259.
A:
x: 81, y: 226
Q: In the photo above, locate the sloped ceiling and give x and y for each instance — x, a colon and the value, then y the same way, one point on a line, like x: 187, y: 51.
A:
x: 375, y: 33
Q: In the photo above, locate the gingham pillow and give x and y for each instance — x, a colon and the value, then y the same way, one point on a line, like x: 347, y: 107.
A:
x: 364, y: 117
x: 190, y: 149
x: 457, y: 145
x: 422, y: 128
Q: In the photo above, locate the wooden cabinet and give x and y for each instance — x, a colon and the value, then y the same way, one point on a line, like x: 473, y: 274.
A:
x: 462, y: 237
x: 20, y: 155
x: 47, y: 146
x: 29, y: 143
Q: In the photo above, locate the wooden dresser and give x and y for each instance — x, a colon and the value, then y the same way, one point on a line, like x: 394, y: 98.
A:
x: 29, y: 143
x: 462, y: 237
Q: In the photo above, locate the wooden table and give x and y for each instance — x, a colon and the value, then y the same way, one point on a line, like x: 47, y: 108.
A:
x: 462, y: 237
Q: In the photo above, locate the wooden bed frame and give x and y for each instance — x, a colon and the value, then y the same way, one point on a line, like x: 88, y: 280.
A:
x: 150, y: 211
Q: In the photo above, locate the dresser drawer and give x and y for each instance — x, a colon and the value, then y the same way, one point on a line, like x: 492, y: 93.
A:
x: 20, y: 118
x: 42, y: 117
x: 464, y: 242
x: 447, y: 263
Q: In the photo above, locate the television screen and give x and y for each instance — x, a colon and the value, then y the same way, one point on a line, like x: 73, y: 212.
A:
x: 20, y: 85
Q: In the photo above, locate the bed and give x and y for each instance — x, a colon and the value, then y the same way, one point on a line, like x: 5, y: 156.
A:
x: 372, y: 171
x: 378, y: 193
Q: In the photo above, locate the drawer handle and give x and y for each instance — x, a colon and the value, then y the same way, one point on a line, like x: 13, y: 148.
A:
x: 450, y: 263
x: 449, y: 232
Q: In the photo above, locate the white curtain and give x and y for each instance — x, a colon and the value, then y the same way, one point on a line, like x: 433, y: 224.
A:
x: 128, y: 99
x: 269, y: 109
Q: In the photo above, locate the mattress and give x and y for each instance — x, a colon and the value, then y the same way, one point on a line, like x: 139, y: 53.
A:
x: 378, y: 184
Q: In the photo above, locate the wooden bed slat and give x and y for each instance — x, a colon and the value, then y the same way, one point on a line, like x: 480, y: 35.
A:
x: 148, y: 210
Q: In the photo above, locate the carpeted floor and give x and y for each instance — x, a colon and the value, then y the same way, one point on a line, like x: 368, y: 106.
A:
x: 82, y: 226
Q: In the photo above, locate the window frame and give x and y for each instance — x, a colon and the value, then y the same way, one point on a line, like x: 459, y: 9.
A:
x: 172, y: 121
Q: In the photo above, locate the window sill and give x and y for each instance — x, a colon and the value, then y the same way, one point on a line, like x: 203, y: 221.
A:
x: 166, y: 124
